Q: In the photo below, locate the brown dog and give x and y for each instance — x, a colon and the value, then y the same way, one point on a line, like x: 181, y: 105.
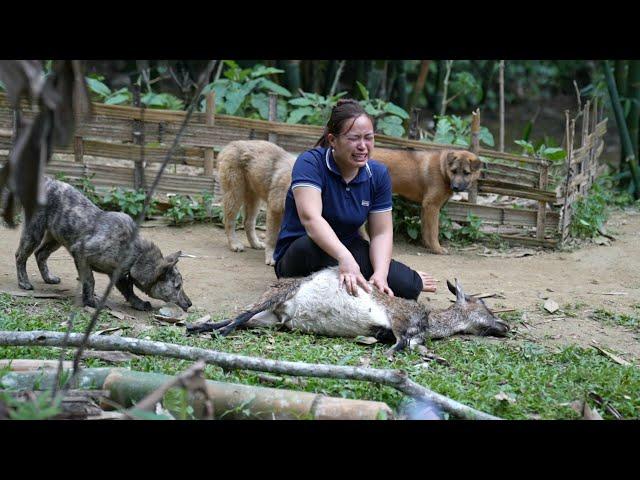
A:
x: 251, y: 171
x: 429, y: 177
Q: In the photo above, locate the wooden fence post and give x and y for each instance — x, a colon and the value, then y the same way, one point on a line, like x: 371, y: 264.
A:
x: 209, y: 162
x: 542, y: 205
x: 414, y: 124
x: 501, y: 105
x: 78, y: 149
x: 475, y: 148
x: 593, y: 157
x: 138, y: 139
x: 273, y: 115
x: 565, y: 220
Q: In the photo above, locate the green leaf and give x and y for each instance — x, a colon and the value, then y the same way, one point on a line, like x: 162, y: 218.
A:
x: 444, y: 131
x: 528, y: 148
x: 298, y: 114
x: 390, y: 128
x: 412, y: 232
x: 371, y: 110
x: 395, y: 110
x: 585, y: 223
x: 233, y: 101
x: 260, y: 101
x: 118, y: 99
x: 486, y: 137
x: 392, y: 119
x: 261, y: 70
x: 97, y: 87
x: 363, y: 90
x: 301, y: 102
x: 274, y: 87
x: 554, y: 153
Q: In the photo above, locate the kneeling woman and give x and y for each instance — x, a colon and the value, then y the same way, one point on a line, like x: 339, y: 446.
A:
x: 334, y: 189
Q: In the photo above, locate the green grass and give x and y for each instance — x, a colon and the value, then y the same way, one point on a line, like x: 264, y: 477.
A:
x: 612, y: 318
x: 539, y: 379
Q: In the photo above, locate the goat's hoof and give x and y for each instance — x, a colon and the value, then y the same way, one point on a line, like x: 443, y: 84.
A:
x: 52, y: 280
x: 25, y: 285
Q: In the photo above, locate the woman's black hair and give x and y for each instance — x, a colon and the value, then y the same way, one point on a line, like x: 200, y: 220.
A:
x: 344, y: 110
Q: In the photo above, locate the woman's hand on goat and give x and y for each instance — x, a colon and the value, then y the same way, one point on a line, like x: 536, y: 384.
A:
x: 380, y: 282
x: 351, y: 276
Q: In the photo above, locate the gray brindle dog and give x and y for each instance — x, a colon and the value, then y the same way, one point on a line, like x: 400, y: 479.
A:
x: 316, y: 304
x: 97, y: 241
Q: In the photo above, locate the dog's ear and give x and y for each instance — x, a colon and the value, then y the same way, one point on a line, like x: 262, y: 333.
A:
x: 172, y: 259
x: 451, y: 158
x: 168, y: 263
x: 475, y: 163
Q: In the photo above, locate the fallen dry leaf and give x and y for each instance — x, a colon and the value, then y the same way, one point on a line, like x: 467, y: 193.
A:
x: 615, y: 358
x: 366, y: 340
x: 551, y: 306
x: 504, y: 397
x: 109, y: 330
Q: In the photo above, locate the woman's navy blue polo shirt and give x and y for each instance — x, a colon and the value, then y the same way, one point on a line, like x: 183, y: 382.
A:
x: 345, y: 206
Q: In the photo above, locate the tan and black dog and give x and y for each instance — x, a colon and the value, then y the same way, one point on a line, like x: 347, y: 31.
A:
x: 251, y: 171
x: 429, y: 177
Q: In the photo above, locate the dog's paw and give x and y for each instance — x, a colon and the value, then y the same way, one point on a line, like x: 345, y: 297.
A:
x: 237, y: 247
x: 90, y: 302
x: 270, y: 261
x: 25, y: 285
x: 257, y: 245
x: 52, y: 279
x: 141, y: 305
x: 439, y: 251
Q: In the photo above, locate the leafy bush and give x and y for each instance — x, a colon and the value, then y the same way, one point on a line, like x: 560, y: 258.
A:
x: 455, y: 130
x: 244, y: 92
x: 128, y: 201
x: 387, y: 115
x: 86, y: 186
x: 102, y: 93
x: 591, y: 211
x: 406, y: 217
x: 312, y: 108
x: 184, y: 209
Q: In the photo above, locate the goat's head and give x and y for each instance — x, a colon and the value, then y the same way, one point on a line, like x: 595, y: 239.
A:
x: 473, y: 315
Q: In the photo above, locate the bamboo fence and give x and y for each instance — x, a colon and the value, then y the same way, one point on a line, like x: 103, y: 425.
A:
x: 134, y: 140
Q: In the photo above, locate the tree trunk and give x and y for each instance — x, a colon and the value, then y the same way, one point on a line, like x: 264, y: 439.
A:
x: 401, y: 96
x: 292, y: 70
x: 439, y: 97
x: 420, y: 83
x: 633, y: 89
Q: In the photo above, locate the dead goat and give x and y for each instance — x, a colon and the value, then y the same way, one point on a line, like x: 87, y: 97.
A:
x: 97, y: 241
x: 316, y: 304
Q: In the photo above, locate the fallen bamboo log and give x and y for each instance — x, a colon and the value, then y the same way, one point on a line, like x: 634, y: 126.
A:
x: 397, y: 379
x: 230, y: 401
x: 25, y: 365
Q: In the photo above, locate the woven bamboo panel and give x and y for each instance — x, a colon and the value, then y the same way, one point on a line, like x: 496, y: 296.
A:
x: 500, y: 215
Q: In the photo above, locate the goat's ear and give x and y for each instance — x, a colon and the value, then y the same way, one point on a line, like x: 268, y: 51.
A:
x: 461, y: 298
x: 451, y: 288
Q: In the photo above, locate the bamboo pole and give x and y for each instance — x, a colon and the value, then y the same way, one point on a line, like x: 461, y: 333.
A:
x: 231, y: 401
x: 622, y: 128
x: 78, y: 150
x: 564, y: 221
x: 475, y: 148
x: 209, y: 162
x: 138, y: 139
x: 273, y: 115
x: 542, y: 205
x: 397, y: 379
x: 501, y: 105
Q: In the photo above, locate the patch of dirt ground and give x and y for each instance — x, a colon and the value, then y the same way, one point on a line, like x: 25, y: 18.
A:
x: 221, y: 282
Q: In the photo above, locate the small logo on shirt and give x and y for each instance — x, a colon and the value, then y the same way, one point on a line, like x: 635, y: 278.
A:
x: 365, y: 203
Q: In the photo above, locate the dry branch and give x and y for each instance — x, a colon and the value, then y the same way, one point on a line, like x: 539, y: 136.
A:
x: 393, y: 378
